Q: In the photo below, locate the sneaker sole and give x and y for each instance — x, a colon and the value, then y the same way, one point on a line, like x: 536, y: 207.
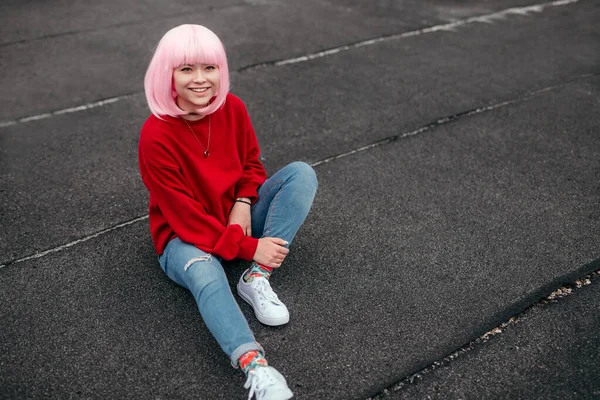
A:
x: 262, y: 318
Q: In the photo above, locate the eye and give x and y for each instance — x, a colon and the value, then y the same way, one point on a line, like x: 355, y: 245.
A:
x: 184, y: 68
x: 211, y: 67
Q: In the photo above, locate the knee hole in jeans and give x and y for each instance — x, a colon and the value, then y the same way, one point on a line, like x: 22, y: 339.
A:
x: 207, y: 258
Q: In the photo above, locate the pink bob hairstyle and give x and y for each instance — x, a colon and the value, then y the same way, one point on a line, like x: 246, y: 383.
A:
x: 184, y: 44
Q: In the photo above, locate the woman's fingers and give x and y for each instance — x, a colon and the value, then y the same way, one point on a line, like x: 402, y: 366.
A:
x: 278, y: 241
x: 278, y: 259
x: 273, y: 264
x: 271, y: 252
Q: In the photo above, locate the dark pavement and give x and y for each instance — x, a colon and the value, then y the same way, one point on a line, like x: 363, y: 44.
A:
x: 549, y: 352
x: 457, y: 148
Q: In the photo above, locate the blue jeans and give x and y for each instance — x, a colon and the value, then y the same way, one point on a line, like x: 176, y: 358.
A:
x: 284, y: 201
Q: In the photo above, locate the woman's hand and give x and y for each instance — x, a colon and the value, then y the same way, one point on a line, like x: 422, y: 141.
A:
x: 270, y: 252
x: 240, y: 215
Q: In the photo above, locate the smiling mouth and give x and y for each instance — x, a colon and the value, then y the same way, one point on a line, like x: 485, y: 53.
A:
x: 198, y: 90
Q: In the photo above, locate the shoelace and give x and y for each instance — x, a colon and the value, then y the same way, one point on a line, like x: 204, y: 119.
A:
x: 265, y: 290
x: 258, y: 380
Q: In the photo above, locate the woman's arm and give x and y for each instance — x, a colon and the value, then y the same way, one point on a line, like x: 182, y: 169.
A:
x: 189, y: 219
x: 254, y: 173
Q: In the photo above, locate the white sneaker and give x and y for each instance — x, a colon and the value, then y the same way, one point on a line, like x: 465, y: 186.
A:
x: 268, y: 308
x: 267, y: 384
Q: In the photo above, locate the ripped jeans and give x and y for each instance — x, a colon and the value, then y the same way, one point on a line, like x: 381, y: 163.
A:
x: 284, y: 201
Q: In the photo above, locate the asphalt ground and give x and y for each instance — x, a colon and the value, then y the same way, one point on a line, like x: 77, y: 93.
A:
x: 457, y: 151
x: 550, y: 351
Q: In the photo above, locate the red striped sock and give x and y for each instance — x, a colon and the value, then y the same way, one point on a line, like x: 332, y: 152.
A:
x: 257, y: 271
x: 251, y: 360
x: 268, y: 269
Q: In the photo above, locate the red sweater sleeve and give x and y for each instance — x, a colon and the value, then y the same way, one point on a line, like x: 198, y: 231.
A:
x: 187, y: 217
x: 254, y: 173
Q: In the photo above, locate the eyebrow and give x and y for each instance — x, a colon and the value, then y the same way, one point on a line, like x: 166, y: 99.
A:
x: 192, y: 65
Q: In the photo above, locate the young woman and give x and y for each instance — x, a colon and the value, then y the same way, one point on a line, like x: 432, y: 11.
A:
x: 210, y: 199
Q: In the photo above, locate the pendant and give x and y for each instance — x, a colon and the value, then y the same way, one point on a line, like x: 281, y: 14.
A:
x: 206, y: 153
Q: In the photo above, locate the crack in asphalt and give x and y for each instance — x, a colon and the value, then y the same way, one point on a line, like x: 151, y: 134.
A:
x: 452, y: 118
x: 556, y: 296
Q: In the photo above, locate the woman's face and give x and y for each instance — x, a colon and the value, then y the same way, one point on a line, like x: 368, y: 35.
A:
x: 195, y: 85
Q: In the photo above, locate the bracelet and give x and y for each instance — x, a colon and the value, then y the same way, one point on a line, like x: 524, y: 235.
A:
x: 243, y: 201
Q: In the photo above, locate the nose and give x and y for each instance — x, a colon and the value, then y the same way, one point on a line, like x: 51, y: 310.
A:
x: 199, y: 76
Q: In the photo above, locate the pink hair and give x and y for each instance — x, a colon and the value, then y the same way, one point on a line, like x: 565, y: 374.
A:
x: 184, y: 44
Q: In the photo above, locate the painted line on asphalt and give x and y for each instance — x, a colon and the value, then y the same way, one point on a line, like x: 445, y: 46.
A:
x: 387, y: 140
x: 71, y: 244
x: 452, y: 26
x: 69, y: 110
x: 487, y: 18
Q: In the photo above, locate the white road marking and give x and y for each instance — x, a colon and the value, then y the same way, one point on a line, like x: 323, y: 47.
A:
x: 84, y: 239
x: 66, y: 110
x: 487, y: 18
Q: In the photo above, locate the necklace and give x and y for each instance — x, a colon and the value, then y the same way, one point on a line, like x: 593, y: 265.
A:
x: 206, y: 153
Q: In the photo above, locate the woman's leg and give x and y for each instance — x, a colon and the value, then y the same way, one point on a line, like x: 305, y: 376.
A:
x: 203, y: 275
x: 284, y: 201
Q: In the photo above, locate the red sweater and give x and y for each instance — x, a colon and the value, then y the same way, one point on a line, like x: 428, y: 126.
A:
x: 190, y: 195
